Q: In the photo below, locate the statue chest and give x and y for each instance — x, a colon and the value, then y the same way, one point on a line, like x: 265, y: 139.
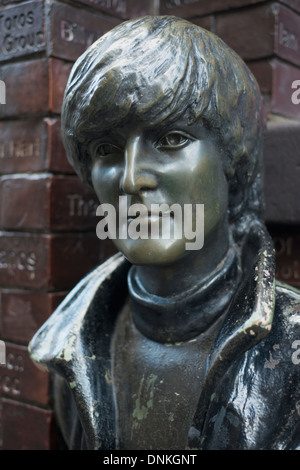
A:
x: 157, y: 386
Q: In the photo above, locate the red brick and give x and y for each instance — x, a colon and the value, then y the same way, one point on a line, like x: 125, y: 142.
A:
x: 121, y: 8
x: 73, y: 205
x: 32, y: 145
x: 23, y: 312
x: 295, y: 4
x: 206, y: 22
x: 277, y: 32
x: 282, y: 174
x: 46, y: 202
x: 59, y: 72
x: 27, y: 427
x: 22, y: 30
x: 263, y: 72
x: 141, y: 8
x: 283, y: 77
x: 34, y: 87
x: 72, y: 30
x: 21, y: 379
x: 275, y: 79
x: 24, y: 201
x: 190, y: 8
x: 56, y: 159
x: 287, y: 244
x: 47, y: 261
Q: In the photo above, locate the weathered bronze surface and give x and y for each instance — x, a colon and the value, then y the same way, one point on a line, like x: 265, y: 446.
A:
x: 162, y: 347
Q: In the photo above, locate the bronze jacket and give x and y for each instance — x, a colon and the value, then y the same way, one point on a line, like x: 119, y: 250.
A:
x: 250, y: 398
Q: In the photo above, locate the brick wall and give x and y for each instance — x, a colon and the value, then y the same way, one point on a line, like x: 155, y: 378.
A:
x: 47, y: 217
x: 266, y: 34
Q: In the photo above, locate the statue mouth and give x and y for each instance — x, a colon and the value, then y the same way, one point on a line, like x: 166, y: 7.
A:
x: 150, y: 215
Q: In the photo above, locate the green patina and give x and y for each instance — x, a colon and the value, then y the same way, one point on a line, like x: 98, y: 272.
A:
x: 141, y: 411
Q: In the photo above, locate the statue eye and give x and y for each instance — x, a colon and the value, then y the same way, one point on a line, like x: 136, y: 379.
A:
x: 173, y: 140
x: 107, y: 149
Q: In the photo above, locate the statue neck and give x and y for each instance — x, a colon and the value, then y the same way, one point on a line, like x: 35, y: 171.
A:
x: 194, y: 266
x: 183, y: 316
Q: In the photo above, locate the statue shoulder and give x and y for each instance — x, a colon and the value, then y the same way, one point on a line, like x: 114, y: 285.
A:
x: 86, y: 307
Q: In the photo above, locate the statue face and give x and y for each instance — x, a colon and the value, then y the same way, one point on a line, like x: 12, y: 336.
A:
x: 177, y: 164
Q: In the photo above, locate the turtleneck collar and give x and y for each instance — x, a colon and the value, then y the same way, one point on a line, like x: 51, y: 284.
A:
x: 184, y: 316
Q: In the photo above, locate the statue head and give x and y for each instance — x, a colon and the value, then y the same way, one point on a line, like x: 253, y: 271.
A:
x: 155, y: 71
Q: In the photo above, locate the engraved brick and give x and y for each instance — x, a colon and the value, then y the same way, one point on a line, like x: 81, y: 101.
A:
x: 46, y: 202
x: 71, y: 30
x: 32, y: 145
x: 56, y: 159
x: 287, y: 34
x: 276, y: 78
x: 21, y: 379
x: 22, y: 30
x: 283, y: 77
x: 52, y: 261
x: 277, y: 32
x: 121, y: 8
x: 27, y: 427
x: 73, y: 205
x: 34, y: 87
x: 190, y: 8
x: 23, y: 312
x: 287, y: 245
x: 282, y: 171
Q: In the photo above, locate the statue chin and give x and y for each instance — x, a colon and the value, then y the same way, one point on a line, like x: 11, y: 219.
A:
x: 152, y: 252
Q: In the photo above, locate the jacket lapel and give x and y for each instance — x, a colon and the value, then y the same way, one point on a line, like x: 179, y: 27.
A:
x: 249, y: 320
x: 75, y: 342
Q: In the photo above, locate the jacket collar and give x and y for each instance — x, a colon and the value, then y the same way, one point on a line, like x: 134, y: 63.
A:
x: 249, y: 319
x: 68, y: 342
x: 68, y: 345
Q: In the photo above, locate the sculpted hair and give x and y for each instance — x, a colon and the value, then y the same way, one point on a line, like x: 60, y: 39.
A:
x: 156, y: 70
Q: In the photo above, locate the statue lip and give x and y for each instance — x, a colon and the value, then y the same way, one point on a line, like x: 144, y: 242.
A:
x: 151, y: 214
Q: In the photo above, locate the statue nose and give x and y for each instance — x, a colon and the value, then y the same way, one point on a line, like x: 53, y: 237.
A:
x: 137, y: 175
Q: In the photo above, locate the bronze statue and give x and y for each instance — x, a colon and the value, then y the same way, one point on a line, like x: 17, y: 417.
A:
x: 162, y: 347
